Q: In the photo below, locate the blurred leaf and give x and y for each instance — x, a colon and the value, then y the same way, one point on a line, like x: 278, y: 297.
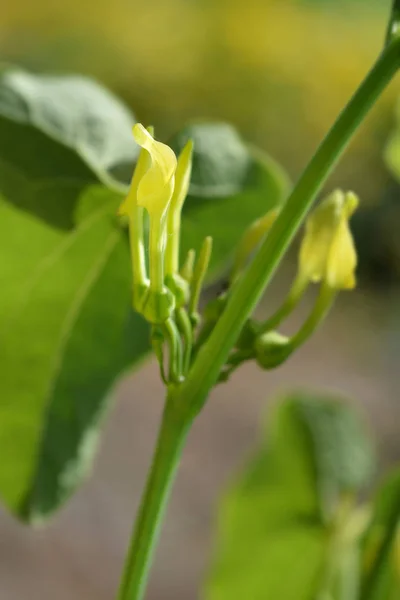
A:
x: 343, y: 455
x: 274, y: 541
x: 57, y: 131
x: 392, y: 150
x: 381, y: 576
x: 221, y: 160
x: 231, y: 186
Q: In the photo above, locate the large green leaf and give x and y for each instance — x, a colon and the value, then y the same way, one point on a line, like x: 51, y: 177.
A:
x: 66, y: 332
x: 66, y: 328
x: 381, y: 575
x: 274, y: 537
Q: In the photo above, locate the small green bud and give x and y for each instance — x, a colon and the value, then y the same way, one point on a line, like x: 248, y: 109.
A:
x: 272, y: 349
x: 179, y: 287
x: 158, y: 306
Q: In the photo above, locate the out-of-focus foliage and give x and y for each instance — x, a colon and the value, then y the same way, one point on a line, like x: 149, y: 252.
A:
x: 278, y: 69
x: 381, y: 557
x: 288, y: 528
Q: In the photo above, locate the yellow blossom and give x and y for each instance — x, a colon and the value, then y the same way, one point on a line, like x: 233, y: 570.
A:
x: 156, y: 186
x: 327, y: 251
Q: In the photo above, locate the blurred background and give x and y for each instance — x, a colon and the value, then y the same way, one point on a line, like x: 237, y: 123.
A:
x: 280, y: 70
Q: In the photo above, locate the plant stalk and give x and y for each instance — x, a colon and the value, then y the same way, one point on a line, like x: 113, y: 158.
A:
x: 171, y: 438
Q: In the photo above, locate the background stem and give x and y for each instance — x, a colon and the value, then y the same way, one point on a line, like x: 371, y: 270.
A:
x: 172, y: 435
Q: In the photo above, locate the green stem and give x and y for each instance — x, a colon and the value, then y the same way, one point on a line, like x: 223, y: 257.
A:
x: 136, y: 235
x: 171, y: 438
x: 291, y: 302
x: 175, y: 350
x: 156, y: 253
x: 185, y: 328
x: 173, y: 242
x: 322, y: 306
x: 250, y: 287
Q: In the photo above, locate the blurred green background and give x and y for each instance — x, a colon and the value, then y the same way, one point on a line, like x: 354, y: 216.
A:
x: 280, y: 70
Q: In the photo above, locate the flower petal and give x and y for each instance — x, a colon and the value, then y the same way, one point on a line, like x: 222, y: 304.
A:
x: 342, y: 261
x: 318, y: 237
x: 157, y: 184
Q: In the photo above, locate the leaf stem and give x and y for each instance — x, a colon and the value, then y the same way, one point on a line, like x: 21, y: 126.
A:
x: 171, y: 438
x: 249, y: 288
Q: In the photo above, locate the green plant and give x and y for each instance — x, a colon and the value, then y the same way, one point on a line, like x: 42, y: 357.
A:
x: 72, y: 228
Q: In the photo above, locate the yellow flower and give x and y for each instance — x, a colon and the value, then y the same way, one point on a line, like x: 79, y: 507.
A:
x: 156, y: 185
x: 327, y: 251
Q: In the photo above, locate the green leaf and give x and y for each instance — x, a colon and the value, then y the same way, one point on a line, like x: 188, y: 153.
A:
x: 66, y: 328
x: 274, y: 539
x: 381, y: 575
x: 66, y: 332
x: 231, y: 186
x: 59, y: 131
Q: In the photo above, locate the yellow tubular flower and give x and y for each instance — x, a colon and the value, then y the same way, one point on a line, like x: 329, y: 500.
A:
x: 130, y: 209
x: 154, y: 193
x: 327, y: 252
x: 156, y: 185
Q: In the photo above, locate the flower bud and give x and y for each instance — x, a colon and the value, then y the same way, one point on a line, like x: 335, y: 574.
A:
x: 158, y: 306
x: 272, y: 349
x: 156, y: 186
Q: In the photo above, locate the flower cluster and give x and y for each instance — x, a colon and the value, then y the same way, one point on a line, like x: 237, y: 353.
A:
x: 166, y: 296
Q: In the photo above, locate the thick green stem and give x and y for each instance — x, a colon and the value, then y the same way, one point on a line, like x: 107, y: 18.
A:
x: 249, y: 288
x: 172, y: 435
